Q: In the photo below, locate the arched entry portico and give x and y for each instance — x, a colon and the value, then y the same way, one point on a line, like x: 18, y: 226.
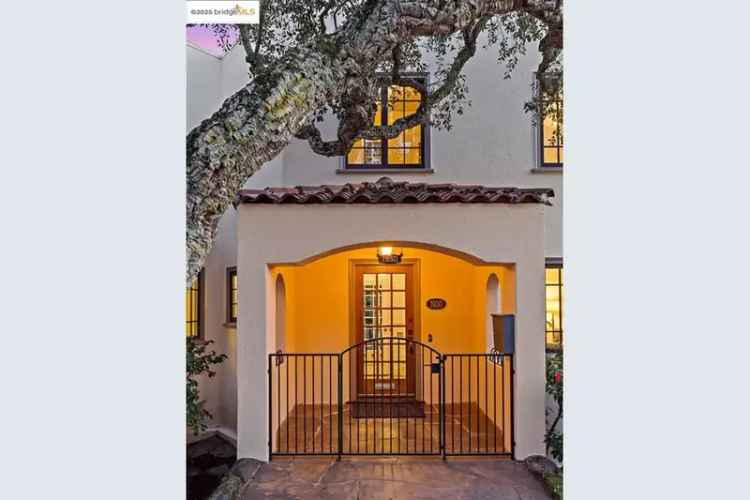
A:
x: 305, y: 244
x: 395, y: 330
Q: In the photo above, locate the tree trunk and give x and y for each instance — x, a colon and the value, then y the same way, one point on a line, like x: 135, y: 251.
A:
x: 257, y: 122
x: 248, y: 130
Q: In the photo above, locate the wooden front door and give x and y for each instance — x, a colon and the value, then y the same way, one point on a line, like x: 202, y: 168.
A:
x: 385, y: 316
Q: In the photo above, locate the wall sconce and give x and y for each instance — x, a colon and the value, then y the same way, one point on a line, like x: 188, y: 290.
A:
x: 387, y: 255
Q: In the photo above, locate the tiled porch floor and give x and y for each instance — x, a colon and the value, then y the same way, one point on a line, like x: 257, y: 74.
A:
x: 313, y: 430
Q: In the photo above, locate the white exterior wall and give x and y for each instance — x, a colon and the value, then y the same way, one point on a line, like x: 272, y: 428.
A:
x: 268, y: 234
x: 493, y: 143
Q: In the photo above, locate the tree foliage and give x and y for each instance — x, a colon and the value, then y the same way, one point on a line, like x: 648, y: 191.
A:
x: 286, y: 24
x: 311, y: 59
x: 199, y: 361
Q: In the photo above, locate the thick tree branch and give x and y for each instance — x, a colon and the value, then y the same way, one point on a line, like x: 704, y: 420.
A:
x: 251, y: 128
x: 359, y: 112
x: 548, y: 12
x: 312, y: 135
x: 257, y: 122
x: 430, y: 99
x: 422, y: 18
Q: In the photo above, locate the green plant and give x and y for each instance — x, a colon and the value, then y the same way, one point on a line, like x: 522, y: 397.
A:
x: 199, y: 361
x: 555, y: 484
x: 553, y: 438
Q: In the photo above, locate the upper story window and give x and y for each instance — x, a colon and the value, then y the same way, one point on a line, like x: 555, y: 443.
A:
x: 194, y: 308
x: 232, y: 303
x: 553, y: 284
x: 551, y: 129
x: 407, y: 150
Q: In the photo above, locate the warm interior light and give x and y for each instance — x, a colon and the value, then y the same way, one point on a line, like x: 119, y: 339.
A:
x: 388, y: 255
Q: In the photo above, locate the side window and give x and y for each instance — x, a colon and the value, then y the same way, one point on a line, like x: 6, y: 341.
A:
x: 194, y: 308
x: 551, y: 123
x: 555, y: 298
x: 231, y: 295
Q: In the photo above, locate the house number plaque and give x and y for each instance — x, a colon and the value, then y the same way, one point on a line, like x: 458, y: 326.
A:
x: 436, y: 303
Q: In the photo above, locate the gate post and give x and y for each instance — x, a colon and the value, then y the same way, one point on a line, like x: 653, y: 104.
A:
x: 442, y: 404
x: 270, y: 410
x: 341, y: 405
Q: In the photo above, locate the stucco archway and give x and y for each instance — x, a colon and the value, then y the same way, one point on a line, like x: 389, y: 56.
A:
x: 468, y: 257
x: 508, y: 235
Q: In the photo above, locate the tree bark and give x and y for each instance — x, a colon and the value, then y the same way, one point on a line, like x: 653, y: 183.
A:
x: 248, y: 130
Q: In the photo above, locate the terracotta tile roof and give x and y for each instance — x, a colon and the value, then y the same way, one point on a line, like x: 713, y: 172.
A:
x: 386, y: 190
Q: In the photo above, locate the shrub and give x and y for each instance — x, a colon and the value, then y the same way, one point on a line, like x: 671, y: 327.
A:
x: 199, y: 361
x: 555, y: 484
x: 554, y: 439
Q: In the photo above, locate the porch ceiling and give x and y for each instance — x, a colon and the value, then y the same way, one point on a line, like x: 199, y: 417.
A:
x: 387, y: 191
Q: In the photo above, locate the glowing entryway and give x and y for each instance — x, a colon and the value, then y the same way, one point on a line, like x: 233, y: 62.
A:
x: 384, y: 304
x: 367, y: 367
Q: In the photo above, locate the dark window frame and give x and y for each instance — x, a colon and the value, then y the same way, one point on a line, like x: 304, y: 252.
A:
x: 554, y: 263
x: 423, y: 166
x: 199, y: 321
x: 231, y: 272
x: 540, y: 117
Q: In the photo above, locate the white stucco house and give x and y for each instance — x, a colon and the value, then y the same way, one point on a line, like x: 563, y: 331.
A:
x: 351, y: 293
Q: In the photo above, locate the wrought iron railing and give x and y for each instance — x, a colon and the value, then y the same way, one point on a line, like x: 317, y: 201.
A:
x: 390, y: 396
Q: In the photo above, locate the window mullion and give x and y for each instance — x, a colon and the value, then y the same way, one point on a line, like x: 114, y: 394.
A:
x: 382, y: 94
x: 384, y: 120
x: 422, y: 160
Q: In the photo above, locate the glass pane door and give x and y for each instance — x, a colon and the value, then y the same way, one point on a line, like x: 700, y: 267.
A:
x: 385, y: 320
x: 384, y: 317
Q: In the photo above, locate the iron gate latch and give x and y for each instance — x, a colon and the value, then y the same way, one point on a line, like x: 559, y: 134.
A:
x: 435, y: 367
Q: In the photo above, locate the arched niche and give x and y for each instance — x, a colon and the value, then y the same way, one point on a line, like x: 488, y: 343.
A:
x: 280, y: 327
x: 492, y: 306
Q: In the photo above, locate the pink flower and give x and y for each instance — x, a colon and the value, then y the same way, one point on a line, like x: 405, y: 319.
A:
x: 558, y: 376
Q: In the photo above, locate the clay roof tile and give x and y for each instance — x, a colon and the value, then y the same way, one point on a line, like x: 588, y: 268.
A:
x: 385, y: 190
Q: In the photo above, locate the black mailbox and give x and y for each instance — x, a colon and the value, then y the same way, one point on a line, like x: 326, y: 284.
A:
x: 504, y: 332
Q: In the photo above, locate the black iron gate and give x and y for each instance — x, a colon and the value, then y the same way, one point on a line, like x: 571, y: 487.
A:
x: 390, y: 396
